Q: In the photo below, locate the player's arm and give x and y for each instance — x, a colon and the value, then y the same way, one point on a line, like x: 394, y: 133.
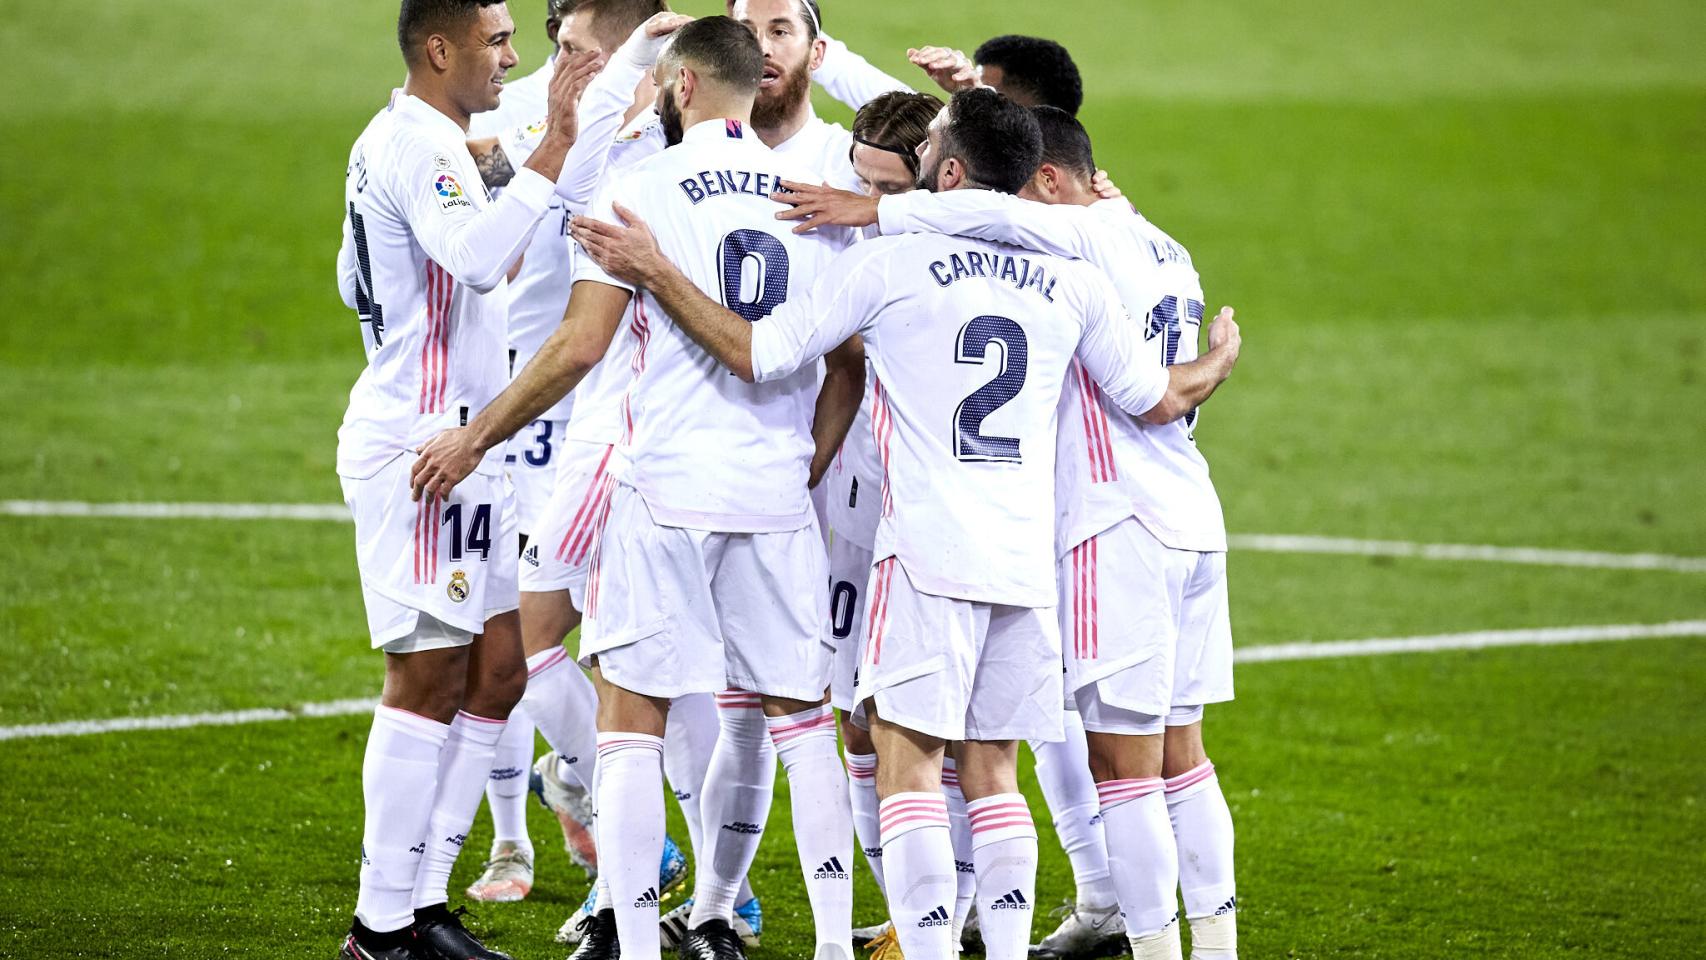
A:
x: 1112, y: 350
x: 952, y: 70
x: 837, y: 403
x: 478, y: 247
x: 347, y: 267
x: 850, y: 78
x: 589, y: 324
x: 605, y: 102
x: 495, y: 167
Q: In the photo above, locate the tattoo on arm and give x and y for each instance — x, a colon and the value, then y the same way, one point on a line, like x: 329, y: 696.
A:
x: 494, y: 166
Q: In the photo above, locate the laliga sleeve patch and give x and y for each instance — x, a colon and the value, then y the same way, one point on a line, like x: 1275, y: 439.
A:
x: 450, y: 194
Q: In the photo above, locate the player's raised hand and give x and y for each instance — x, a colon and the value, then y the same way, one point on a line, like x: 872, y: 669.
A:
x: 817, y: 205
x: 1224, y: 330
x: 568, y: 81
x: 664, y: 24
x: 952, y: 70
x: 1105, y: 187
x: 627, y: 251
x: 444, y: 462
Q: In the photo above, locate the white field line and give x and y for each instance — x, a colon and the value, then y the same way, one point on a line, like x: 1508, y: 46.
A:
x: 1262, y: 542
x: 1478, y: 640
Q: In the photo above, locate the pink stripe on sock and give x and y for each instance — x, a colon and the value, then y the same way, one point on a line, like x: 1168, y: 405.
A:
x: 1191, y: 777
x: 1111, y: 793
x: 468, y: 716
x: 783, y: 732
x: 557, y: 656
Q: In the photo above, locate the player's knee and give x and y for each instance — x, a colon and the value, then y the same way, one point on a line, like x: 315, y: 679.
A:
x: 1184, y: 746
x: 496, y: 691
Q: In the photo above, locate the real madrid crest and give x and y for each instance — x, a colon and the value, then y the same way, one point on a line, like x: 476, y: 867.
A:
x: 458, y: 588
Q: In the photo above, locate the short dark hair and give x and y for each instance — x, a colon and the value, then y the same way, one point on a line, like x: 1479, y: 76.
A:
x: 614, y: 20
x: 997, y: 140
x: 725, y: 50
x: 1040, y: 68
x: 897, y: 121
x: 419, y: 19
x: 1066, y: 143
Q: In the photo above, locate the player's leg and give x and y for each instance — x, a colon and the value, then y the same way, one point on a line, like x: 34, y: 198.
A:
x: 1094, y: 927
x: 560, y: 701
x: 631, y: 809
x: 508, y: 872
x: 804, y: 735
x: 861, y: 758
x: 959, y: 834
x: 1004, y: 846
x: 734, y: 805
x: 918, y: 856
x: 1125, y: 756
x: 1202, y: 823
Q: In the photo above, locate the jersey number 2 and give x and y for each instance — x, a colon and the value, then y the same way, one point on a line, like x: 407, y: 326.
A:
x: 768, y: 277
x: 973, y: 346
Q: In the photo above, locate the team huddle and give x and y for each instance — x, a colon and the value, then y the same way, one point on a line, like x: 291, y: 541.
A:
x: 819, y: 437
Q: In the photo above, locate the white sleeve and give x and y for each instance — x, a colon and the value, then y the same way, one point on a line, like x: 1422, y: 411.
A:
x: 347, y: 267
x: 842, y: 302
x: 850, y: 78
x: 599, y: 115
x: 518, y: 143
x: 1065, y: 230
x: 475, y: 246
x: 603, y: 208
x: 1112, y: 348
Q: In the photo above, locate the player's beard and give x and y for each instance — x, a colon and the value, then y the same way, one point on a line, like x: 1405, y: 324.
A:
x: 670, y: 115
x: 927, y: 178
x: 775, y: 106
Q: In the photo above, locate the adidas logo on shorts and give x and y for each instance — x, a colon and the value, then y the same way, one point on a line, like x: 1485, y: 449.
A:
x: 831, y: 869
x: 647, y: 899
x: 743, y: 827
x: 1013, y: 900
x: 936, y: 918
x: 532, y: 556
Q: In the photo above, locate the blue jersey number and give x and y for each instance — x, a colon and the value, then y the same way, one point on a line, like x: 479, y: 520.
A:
x: 366, y: 310
x: 973, y: 346
x: 755, y: 273
x: 479, y: 530
x: 842, y: 600
x: 1166, y: 320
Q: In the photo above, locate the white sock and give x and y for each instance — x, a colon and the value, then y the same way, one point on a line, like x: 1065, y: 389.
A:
x: 734, y: 804
x: 399, y: 768
x: 464, y: 765
x: 862, y: 792
x: 918, y: 860
x: 688, y: 741
x: 562, y: 704
x: 1202, y: 828
x: 630, y: 834
x: 506, y: 791
x: 959, y: 834
x: 1141, y: 853
x: 1063, y: 772
x: 823, y: 820
x: 1004, y: 849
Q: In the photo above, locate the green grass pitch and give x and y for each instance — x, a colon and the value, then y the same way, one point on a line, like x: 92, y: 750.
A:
x: 1465, y: 241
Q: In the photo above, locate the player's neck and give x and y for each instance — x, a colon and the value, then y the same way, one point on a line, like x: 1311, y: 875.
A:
x: 716, y: 110
x: 437, y: 100
x: 796, y: 121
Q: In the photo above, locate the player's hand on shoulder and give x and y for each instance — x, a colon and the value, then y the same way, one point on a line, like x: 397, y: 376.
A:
x: 1105, y: 187
x: 444, y: 461
x: 818, y: 205
x: 627, y: 251
x: 952, y: 70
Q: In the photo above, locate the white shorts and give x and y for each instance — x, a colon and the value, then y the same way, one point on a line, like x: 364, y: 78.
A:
x: 849, y: 574
x: 672, y: 611
x: 1146, y: 629
x: 453, y: 559
x: 531, y: 458
x: 560, y: 547
x: 957, y: 669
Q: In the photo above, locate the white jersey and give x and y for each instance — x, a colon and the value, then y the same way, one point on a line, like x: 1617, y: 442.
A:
x: 705, y: 450
x: 423, y: 262
x: 540, y: 289
x: 971, y: 342
x: 1111, y: 466
x: 825, y: 146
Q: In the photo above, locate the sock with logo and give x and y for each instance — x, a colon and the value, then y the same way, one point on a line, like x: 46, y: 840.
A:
x: 561, y: 702
x: 506, y: 790
x: 959, y: 834
x: 688, y: 740
x: 1202, y: 828
x: 1144, y: 862
x: 630, y: 834
x: 862, y: 792
x: 918, y: 862
x: 399, y: 767
x: 823, y: 820
x: 734, y: 804
x: 1004, y: 850
x: 1063, y: 772
x: 464, y: 765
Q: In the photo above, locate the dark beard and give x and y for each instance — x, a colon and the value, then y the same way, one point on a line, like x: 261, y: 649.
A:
x: 670, y: 115
x: 773, y: 110
x: 927, y: 178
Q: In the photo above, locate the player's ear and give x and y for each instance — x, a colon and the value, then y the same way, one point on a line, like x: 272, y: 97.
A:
x: 686, y: 84
x: 953, y: 172
x: 438, y: 51
x: 819, y: 47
